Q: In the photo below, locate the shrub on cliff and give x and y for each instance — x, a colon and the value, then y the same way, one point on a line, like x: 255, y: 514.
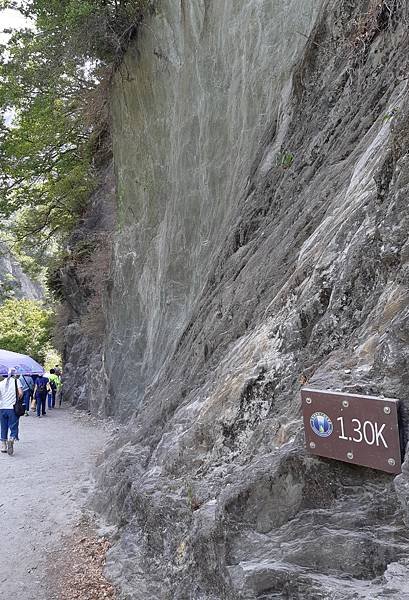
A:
x: 89, y: 29
x: 25, y: 326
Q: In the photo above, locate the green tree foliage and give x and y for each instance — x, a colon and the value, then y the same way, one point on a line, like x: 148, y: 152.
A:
x: 25, y: 327
x: 52, y: 81
x: 8, y: 286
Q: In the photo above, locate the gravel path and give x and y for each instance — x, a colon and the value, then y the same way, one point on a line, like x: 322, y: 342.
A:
x: 42, y: 489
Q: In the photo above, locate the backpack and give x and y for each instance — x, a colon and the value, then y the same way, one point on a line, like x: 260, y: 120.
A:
x: 19, y: 407
x: 53, y: 385
x: 42, y: 388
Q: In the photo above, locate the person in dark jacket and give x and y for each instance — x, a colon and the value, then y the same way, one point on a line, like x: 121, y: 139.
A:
x: 41, y: 389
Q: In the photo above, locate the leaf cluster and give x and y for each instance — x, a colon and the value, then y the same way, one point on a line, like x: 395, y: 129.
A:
x: 25, y: 327
x: 50, y: 126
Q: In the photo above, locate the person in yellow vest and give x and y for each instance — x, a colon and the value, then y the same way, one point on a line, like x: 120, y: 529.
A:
x: 55, y: 385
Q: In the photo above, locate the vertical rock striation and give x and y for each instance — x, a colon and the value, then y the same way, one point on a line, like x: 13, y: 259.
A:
x: 83, y: 281
x: 261, y: 160
x: 191, y: 107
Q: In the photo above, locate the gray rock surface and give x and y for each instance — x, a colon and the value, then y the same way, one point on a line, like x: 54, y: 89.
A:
x: 191, y: 106
x: 83, y: 279
x: 261, y: 158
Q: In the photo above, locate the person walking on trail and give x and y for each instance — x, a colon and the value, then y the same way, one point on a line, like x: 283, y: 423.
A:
x: 41, y: 389
x: 49, y: 392
x: 58, y: 372
x: 54, y: 385
x: 60, y: 390
x: 27, y: 384
x: 10, y: 389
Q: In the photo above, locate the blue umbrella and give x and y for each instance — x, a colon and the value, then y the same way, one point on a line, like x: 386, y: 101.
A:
x: 24, y: 365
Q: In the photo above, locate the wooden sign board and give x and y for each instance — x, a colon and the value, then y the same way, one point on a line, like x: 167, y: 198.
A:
x: 357, y: 429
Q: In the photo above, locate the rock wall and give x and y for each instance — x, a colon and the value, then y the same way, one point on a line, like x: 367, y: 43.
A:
x: 191, y: 105
x: 261, y: 161
x: 83, y: 280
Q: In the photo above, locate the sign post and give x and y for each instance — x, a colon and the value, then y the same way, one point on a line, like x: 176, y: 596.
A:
x: 362, y: 430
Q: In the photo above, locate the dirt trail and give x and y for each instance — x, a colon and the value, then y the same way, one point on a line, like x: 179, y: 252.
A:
x: 42, y: 489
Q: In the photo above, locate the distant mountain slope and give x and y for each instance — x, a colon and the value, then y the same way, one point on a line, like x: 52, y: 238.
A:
x: 13, y: 281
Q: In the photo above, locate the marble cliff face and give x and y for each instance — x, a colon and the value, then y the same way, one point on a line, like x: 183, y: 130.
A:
x: 260, y: 154
x: 191, y: 107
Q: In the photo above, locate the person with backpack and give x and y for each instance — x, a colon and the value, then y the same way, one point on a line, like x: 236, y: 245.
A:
x: 54, y: 385
x: 41, y: 389
x: 10, y: 391
x: 27, y: 384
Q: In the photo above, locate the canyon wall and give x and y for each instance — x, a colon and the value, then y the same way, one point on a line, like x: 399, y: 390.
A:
x: 260, y: 155
x: 191, y: 106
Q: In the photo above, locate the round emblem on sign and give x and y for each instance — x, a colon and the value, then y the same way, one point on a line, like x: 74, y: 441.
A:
x: 321, y: 424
